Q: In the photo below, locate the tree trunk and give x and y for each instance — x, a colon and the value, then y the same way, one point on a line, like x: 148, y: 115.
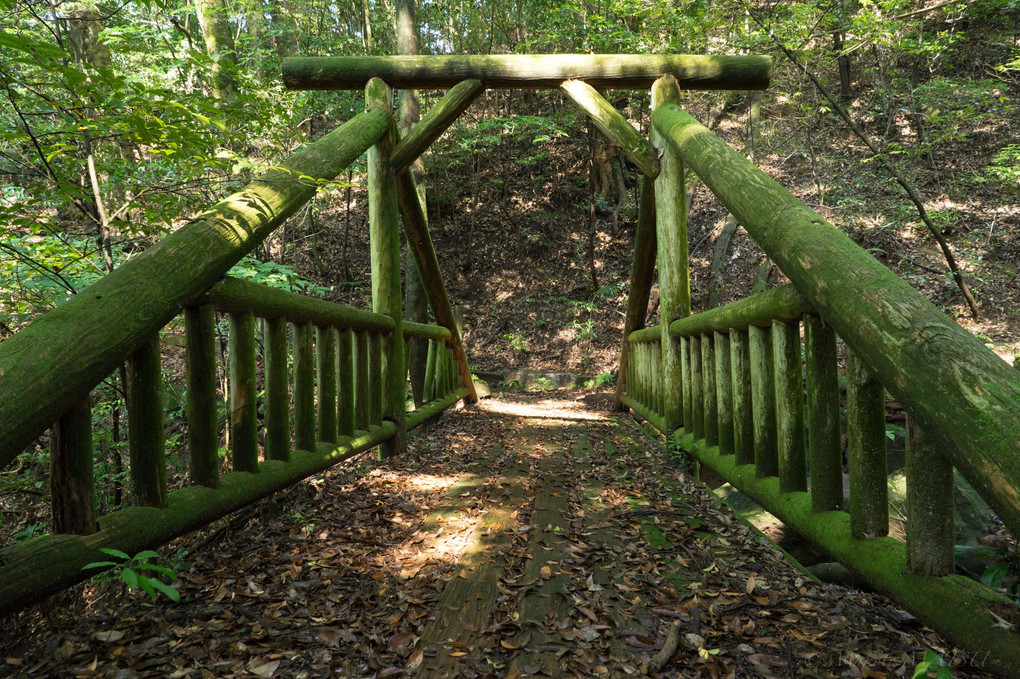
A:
x: 219, y: 46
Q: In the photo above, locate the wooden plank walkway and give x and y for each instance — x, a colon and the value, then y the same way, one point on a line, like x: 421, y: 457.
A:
x: 527, y: 536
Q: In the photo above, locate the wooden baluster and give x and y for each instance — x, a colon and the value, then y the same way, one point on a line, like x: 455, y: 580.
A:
x: 346, y: 408
x: 277, y: 390
x: 789, y: 406
x: 364, y: 388
x: 710, y: 394
x: 326, y: 370
x: 763, y: 401
x: 203, y: 413
x: 930, y: 527
x: 743, y: 417
x: 244, y: 443
x: 866, y: 452
x: 686, y: 381
x: 452, y: 383
x: 430, y: 371
x: 375, y: 379
x: 146, y: 442
x: 697, y: 388
x: 72, y: 488
x: 724, y: 391
x: 304, y: 387
x: 824, y: 445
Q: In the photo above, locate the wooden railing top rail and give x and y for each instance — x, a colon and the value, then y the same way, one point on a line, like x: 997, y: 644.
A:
x: 778, y: 304
x: 236, y: 295
x: 426, y: 331
x: 938, y: 370
x: 646, y: 335
x: 61, y: 355
x: 529, y: 71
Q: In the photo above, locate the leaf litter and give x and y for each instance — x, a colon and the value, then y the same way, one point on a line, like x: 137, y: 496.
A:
x: 341, y: 575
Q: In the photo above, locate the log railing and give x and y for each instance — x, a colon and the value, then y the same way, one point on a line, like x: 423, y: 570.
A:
x: 337, y: 373
x: 760, y: 403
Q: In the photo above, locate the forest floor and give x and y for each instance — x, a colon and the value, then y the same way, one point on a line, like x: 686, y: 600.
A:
x: 530, y: 535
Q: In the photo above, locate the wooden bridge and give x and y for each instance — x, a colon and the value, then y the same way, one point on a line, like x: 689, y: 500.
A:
x: 727, y: 386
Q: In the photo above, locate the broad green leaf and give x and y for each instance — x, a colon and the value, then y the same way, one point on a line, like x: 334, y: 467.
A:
x: 115, y: 552
x: 129, y: 577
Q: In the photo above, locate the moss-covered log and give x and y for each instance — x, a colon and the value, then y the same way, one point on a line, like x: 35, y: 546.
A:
x: 420, y: 242
x: 203, y: 414
x: 612, y: 124
x: 724, y: 391
x: 425, y: 331
x: 435, y: 122
x: 277, y: 390
x: 42, y: 369
x: 778, y: 304
x: 867, y: 462
x: 236, y: 295
x: 646, y: 335
x: 646, y: 413
x: 146, y: 438
x: 786, y: 359
x: 824, y: 443
x: 433, y: 408
x: 325, y: 377
x: 518, y: 71
x: 930, y: 525
x: 243, y: 418
x: 304, y: 387
x: 36, y: 568
x: 958, y: 607
x: 743, y: 422
x: 929, y: 363
x: 72, y: 487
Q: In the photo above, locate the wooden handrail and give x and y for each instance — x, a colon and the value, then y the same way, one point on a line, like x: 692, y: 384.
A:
x: 50, y: 365
x: 938, y: 370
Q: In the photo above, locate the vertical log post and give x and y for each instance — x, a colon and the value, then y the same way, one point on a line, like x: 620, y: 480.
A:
x: 277, y: 390
x: 384, y: 236
x: 743, y: 418
x: 708, y: 389
x: 72, y: 487
x: 325, y: 376
x: 789, y: 406
x: 824, y: 445
x: 244, y: 441
x: 363, y: 386
x: 866, y: 452
x: 146, y: 442
x: 930, y: 529
x: 763, y: 401
x: 203, y: 414
x: 346, y: 409
x: 697, y: 388
x: 377, y: 392
x: 429, y: 388
x: 686, y: 383
x: 672, y: 255
x: 724, y: 391
x: 304, y: 387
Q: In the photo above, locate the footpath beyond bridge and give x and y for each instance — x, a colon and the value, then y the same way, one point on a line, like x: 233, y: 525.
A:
x: 528, y: 536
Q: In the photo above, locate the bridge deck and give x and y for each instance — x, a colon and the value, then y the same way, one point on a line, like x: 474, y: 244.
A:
x: 528, y: 536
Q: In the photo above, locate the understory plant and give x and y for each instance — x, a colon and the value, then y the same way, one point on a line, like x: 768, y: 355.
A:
x: 136, y: 572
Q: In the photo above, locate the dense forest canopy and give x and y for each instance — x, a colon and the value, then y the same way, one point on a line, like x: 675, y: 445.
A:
x: 119, y: 120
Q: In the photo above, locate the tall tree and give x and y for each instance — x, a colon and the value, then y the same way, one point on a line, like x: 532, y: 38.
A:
x: 219, y: 46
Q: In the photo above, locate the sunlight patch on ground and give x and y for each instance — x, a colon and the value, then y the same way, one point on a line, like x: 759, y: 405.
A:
x: 547, y: 409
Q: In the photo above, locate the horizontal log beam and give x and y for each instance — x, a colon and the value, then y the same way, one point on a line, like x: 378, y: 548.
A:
x: 426, y: 331
x: 957, y: 607
x: 37, y: 568
x: 646, y: 413
x: 518, y: 71
x: 433, y: 408
x: 612, y: 124
x: 235, y: 295
x: 646, y: 335
x: 938, y: 370
x: 435, y: 122
x: 778, y: 304
x: 50, y: 365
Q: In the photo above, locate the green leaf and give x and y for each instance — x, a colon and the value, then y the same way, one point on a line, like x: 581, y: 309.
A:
x: 994, y: 574
x: 167, y: 591
x: 146, y: 585
x: 115, y: 552
x: 129, y: 577
x: 145, y: 556
x: 98, y: 564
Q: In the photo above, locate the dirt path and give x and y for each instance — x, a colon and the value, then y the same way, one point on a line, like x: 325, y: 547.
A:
x: 527, y: 536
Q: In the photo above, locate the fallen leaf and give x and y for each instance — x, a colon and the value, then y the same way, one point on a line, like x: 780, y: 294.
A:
x: 109, y: 635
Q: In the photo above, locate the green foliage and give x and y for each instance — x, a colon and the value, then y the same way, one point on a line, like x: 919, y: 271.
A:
x: 518, y: 341
x: 601, y: 380
x: 933, y: 665
x: 275, y: 275
x: 1005, y: 167
x: 132, y: 572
